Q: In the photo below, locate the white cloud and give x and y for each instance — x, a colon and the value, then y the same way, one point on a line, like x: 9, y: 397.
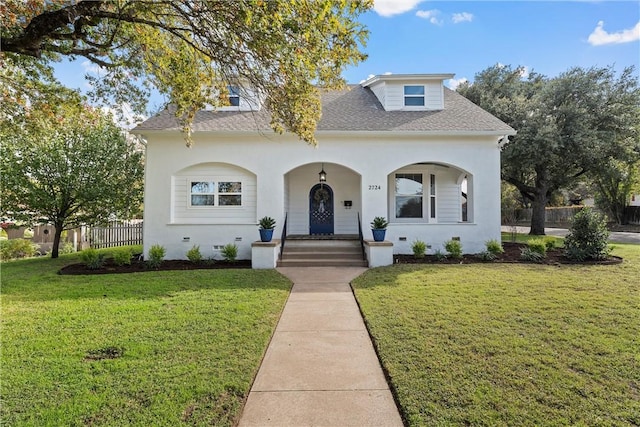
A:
x: 524, y: 72
x: 123, y: 116
x: 431, y: 15
x: 600, y: 37
x: 389, y: 8
x: 462, y: 17
x: 92, y: 68
x: 454, y: 83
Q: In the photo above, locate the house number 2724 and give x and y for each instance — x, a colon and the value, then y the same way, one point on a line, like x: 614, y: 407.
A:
x: 374, y: 187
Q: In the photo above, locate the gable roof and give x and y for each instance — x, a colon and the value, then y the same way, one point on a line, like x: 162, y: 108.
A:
x: 353, y: 109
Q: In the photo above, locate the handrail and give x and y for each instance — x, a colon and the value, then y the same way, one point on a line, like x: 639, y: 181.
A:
x: 361, y: 237
x: 283, y: 237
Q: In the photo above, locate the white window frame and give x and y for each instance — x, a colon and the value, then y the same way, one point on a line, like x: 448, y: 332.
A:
x: 414, y: 96
x: 216, y: 192
x: 433, y: 198
x: 427, y: 195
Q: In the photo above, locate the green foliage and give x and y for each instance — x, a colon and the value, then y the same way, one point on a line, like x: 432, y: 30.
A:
x: 550, y: 242
x: 92, y: 258
x: 67, y: 248
x: 538, y: 245
x: 616, y: 181
x: 156, y: 256
x: 68, y: 165
x: 229, y: 252
x: 267, y: 223
x: 191, y: 52
x: 122, y: 256
x: 194, y: 255
x: 17, y: 248
x: 453, y: 248
x: 587, y: 238
x: 419, y: 248
x: 566, y: 125
x: 531, y: 255
x: 494, y: 247
x: 487, y: 256
x: 439, y: 255
x: 379, y: 223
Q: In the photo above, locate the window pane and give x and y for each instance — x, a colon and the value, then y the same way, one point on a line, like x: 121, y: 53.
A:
x: 202, y: 200
x: 234, y: 101
x: 230, y: 187
x: 432, y: 185
x: 408, y: 184
x: 414, y: 90
x: 408, y: 207
x: 433, y: 207
x: 201, y: 187
x: 229, y: 200
x: 414, y: 101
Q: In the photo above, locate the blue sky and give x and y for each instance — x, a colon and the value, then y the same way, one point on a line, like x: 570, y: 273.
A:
x: 465, y: 37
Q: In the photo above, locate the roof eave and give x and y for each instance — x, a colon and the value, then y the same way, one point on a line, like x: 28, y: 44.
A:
x: 416, y: 77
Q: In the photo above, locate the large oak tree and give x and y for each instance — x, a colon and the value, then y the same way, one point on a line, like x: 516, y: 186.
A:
x: 191, y: 50
x: 567, y: 126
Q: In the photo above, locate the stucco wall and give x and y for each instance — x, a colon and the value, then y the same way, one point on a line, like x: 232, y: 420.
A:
x: 362, y: 160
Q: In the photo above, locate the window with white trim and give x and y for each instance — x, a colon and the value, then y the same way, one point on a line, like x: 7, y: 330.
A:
x: 215, y: 193
x: 408, y: 195
x: 432, y: 196
x: 234, y: 96
x: 414, y: 96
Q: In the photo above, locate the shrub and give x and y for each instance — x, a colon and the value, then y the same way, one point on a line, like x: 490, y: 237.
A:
x: 488, y: 256
x: 494, y: 247
x: 122, y: 256
x: 17, y: 248
x: 439, y: 256
x: 229, y: 252
x: 453, y: 248
x: 530, y: 255
x: 419, y: 248
x: 67, y: 248
x: 156, y: 255
x: 538, y: 246
x: 92, y: 258
x: 550, y: 242
x: 587, y: 238
x: 194, y: 254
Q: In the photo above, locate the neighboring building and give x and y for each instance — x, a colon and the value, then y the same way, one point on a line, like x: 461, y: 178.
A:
x: 400, y: 146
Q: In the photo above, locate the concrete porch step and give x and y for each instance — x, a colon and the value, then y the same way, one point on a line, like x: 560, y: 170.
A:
x: 322, y: 253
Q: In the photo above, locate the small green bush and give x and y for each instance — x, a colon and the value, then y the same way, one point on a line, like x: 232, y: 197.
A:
x: 66, y: 248
x: 538, y: 246
x: 156, y: 255
x: 92, y: 258
x: 550, y: 242
x: 194, y: 254
x: 453, y: 248
x: 439, y: 256
x: 229, y: 252
x: 587, y: 238
x: 419, y: 248
x: 487, y: 256
x: 530, y: 255
x: 494, y: 247
x: 17, y: 248
x: 122, y: 256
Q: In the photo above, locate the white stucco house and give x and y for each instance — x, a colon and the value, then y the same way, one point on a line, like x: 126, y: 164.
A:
x: 404, y: 147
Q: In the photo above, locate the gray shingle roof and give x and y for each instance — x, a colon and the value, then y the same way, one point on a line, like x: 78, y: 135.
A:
x: 352, y: 109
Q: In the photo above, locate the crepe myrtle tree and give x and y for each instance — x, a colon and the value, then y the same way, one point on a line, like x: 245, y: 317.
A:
x: 566, y: 126
x: 68, y: 165
x: 191, y: 51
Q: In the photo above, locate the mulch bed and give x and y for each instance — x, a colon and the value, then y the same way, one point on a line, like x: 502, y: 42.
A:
x: 139, y: 266
x: 512, y: 252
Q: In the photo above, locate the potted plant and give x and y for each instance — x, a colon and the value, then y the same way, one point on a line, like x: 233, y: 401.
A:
x: 267, y: 224
x: 379, y: 228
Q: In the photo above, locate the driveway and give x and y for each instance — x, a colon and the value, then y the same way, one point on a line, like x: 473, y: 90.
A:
x: 614, y: 237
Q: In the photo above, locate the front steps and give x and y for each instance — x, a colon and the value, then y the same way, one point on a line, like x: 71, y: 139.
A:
x: 322, y: 253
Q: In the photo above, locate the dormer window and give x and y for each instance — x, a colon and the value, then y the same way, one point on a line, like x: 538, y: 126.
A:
x: 234, y: 96
x: 414, y: 96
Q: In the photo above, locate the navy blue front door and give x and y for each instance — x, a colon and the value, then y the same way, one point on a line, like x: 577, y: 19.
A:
x: 321, y: 209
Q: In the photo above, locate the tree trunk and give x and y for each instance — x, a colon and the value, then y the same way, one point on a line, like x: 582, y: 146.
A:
x: 538, y: 213
x: 55, y: 250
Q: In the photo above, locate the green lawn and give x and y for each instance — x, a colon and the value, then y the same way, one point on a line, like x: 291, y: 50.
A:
x: 189, y: 344
x: 509, y: 344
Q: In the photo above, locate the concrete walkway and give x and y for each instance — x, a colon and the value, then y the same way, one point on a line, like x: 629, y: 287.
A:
x: 320, y: 368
